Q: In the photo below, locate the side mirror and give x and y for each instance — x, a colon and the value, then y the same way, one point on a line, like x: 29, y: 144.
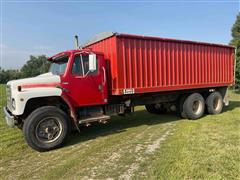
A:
x: 92, y: 62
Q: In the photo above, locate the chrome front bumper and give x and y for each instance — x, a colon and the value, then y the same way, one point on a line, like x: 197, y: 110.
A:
x: 8, y: 117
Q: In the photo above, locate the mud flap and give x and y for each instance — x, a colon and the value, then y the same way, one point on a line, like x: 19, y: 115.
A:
x: 224, y: 93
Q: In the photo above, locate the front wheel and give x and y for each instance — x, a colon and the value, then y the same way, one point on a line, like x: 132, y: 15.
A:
x: 46, y: 128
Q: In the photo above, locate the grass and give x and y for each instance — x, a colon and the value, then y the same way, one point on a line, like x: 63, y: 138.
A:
x: 140, y: 146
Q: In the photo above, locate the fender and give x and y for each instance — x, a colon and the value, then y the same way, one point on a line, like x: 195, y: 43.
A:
x: 21, y: 98
x: 45, y: 85
x: 22, y: 90
x: 44, y: 92
x: 68, y: 101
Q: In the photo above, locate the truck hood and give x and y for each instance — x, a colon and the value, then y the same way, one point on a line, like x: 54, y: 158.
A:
x: 43, y: 80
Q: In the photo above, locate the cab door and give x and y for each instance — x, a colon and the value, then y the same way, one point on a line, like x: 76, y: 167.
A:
x: 88, y: 88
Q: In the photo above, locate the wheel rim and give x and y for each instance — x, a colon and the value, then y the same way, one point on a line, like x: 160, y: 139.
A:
x: 197, y: 107
x: 216, y: 103
x: 48, y: 130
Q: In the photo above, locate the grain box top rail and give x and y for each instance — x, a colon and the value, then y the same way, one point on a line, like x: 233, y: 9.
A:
x: 107, y: 35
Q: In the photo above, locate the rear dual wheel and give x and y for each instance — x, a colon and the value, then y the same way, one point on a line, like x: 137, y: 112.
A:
x: 193, y: 106
x: 214, y: 103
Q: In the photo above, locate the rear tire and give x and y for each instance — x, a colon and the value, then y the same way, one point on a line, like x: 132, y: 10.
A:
x: 194, y: 106
x: 214, y: 103
x: 46, y: 128
x: 181, y: 113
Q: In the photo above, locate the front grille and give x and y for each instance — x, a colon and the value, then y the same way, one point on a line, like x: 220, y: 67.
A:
x: 9, y: 97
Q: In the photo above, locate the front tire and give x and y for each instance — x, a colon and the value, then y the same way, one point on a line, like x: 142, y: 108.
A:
x: 46, y: 128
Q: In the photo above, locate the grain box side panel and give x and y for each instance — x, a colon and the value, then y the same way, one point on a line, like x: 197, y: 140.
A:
x: 157, y: 65
x: 151, y: 65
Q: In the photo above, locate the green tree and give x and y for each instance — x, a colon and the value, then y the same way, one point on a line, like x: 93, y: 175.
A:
x: 35, y: 66
x: 7, y: 75
x: 236, y: 42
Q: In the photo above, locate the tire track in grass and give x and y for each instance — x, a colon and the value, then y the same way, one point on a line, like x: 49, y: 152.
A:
x: 100, y: 158
x: 44, y: 158
x: 130, y: 155
x: 38, y: 160
x: 113, y: 152
x: 52, y: 157
x: 152, y: 147
x: 102, y: 150
x: 144, y: 151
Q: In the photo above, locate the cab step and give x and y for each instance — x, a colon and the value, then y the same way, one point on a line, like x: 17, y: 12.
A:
x: 102, y: 119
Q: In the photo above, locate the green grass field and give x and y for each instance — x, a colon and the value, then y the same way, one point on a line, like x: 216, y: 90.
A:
x: 140, y: 146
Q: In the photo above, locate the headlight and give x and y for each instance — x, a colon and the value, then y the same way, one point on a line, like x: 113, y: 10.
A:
x: 13, y: 103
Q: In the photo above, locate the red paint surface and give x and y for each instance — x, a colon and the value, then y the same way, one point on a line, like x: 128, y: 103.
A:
x: 39, y: 85
x: 151, y: 64
x: 84, y: 90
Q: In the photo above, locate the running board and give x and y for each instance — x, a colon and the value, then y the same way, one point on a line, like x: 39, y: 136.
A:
x: 101, y: 119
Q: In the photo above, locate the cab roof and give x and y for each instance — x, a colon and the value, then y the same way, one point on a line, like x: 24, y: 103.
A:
x: 73, y: 51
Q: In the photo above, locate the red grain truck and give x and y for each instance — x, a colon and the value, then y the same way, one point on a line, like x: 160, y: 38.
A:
x: 112, y: 74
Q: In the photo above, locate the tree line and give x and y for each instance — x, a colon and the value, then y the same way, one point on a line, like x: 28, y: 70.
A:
x: 34, y: 66
x: 236, y: 42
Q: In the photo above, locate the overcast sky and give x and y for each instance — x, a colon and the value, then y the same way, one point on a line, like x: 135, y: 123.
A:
x: 35, y: 28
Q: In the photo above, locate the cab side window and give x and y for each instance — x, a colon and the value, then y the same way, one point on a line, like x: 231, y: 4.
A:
x: 81, y: 66
x: 86, y: 66
x: 77, y: 66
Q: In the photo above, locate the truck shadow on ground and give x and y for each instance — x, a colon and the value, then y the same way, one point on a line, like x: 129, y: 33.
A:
x: 119, y: 124
x: 232, y: 105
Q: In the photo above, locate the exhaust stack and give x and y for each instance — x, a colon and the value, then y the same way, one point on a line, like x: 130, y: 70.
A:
x: 76, y: 42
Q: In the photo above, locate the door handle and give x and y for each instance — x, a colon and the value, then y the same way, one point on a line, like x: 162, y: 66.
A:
x: 100, y: 87
x: 104, y: 75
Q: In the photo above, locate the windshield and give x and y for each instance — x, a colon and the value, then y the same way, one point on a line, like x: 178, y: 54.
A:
x: 59, y: 65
